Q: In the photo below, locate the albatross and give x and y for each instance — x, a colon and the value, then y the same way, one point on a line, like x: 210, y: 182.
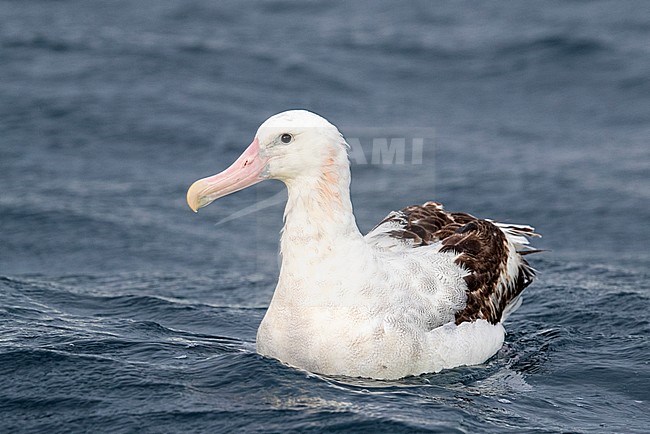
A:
x: 425, y: 290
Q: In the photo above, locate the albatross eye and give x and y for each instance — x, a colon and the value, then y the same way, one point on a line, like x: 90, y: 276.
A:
x: 285, y: 138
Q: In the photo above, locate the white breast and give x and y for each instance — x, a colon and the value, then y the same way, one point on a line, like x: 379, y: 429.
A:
x: 359, y: 311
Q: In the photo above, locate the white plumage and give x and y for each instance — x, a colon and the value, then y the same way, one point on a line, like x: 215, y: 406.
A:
x: 380, y: 306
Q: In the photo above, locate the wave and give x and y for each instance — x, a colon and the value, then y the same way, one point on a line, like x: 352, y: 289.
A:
x: 554, y: 45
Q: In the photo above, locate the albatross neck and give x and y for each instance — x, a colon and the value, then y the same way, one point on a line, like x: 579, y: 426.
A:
x: 318, y: 214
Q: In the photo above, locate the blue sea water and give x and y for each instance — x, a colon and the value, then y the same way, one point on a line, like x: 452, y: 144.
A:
x: 122, y: 311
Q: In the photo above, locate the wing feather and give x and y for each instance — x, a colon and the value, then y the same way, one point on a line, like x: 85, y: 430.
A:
x: 492, y: 253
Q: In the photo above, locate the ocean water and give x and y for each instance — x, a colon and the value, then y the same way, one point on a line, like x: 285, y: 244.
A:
x: 122, y: 311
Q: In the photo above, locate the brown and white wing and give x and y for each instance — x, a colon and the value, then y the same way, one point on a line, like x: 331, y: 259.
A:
x: 492, y: 253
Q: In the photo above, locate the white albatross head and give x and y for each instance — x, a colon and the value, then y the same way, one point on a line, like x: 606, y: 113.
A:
x: 292, y: 146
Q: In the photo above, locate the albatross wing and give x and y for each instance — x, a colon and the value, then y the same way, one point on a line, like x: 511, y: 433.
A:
x: 491, y: 253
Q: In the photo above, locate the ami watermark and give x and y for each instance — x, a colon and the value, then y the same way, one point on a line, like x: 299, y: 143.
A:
x: 389, y: 145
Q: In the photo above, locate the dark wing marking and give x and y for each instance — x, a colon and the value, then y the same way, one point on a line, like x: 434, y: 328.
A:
x: 421, y: 225
x: 484, y: 249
